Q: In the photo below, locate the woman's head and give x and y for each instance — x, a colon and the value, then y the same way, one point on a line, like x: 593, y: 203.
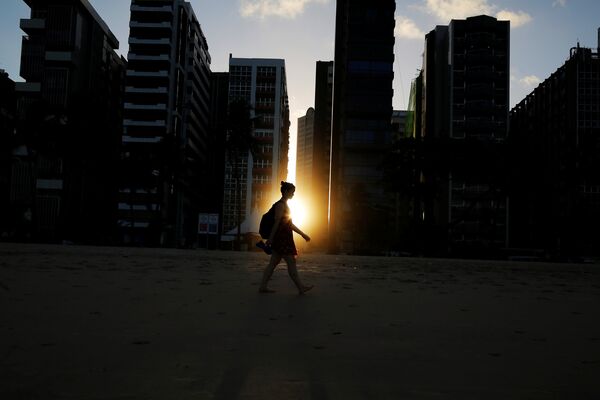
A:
x: 287, y: 189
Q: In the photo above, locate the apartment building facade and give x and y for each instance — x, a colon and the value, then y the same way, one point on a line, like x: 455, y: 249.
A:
x: 252, y: 178
x: 361, y: 126
x: 464, y: 125
x: 165, y: 126
x: 69, y: 122
x: 555, y: 139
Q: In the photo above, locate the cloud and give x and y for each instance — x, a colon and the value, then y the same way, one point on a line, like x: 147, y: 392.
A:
x: 562, y: 3
x: 407, y: 29
x: 446, y: 10
x: 530, y: 81
x: 516, y: 19
x: 275, y: 8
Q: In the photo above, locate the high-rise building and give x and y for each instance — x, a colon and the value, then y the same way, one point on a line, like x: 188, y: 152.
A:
x: 361, y: 125
x: 8, y: 104
x: 219, y: 100
x: 555, y: 142
x: 70, y: 116
x: 465, y: 89
x: 165, y: 125
x: 319, y: 193
x: 252, y: 178
x: 304, y: 151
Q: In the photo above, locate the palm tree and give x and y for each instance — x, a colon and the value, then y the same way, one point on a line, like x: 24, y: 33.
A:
x: 238, y: 144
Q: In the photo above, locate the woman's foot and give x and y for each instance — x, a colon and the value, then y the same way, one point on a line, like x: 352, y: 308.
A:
x: 305, y: 289
x: 265, y: 290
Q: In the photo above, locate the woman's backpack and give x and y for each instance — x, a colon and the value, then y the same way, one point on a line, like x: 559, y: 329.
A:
x: 266, y: 222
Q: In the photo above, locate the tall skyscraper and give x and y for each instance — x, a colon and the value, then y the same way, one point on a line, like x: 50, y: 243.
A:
x: 70, y: 116
x: 261, y: 84
x: 304, y: 152
x: 165, y: 126
x: 555, y: 142
x: 8, y: 104
x: 465, y: 86
x: 319, y: 193
x: 219, y: 100
x: 361, y: 125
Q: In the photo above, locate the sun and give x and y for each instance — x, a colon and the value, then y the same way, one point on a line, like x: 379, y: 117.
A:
x: 299, y: 210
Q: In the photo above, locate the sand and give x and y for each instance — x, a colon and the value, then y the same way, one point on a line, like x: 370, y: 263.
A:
x: 122, y: 323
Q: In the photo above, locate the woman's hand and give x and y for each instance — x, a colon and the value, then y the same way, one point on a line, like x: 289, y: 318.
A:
x: 306, y: 237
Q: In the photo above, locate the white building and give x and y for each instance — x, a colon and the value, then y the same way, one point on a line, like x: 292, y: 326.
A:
x: 262, y: 84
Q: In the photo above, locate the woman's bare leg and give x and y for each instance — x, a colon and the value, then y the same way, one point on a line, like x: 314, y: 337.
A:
x: 293, y: 272
x: 275, y: 259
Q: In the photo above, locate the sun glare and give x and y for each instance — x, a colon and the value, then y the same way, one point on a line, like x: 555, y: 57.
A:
x: 299, y: 212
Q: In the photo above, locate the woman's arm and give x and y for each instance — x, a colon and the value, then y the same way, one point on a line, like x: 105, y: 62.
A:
x: 299, y: 232
x: 279, y: 209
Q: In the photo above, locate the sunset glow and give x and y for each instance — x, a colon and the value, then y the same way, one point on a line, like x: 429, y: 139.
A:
x: 300, y: 212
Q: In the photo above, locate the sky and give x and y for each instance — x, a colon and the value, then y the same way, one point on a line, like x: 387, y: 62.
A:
x: 303, y: 32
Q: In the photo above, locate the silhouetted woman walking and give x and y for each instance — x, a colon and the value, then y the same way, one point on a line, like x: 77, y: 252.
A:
x: 281, y: 241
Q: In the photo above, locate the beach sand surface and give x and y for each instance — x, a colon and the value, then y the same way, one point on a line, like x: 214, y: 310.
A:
x: 124, y: 323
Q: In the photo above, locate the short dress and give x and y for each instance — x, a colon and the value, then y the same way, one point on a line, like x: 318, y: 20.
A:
x: 283, y: 241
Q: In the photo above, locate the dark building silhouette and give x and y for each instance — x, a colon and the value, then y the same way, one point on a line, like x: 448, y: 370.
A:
x: 464, y: 123
x: 322, y: 150
x: 166, y: 125
x: 555, y: 139
x: 305, y: 151
x: 219, y: 100
x: 8, y: 103
x: 69, y: 109
x: 313, y: 154
x: 361, y: 125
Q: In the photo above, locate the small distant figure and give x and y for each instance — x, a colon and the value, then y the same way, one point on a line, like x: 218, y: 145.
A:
x: 281, y: 241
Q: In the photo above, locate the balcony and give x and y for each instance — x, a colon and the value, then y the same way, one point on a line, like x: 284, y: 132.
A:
x: 59, y: 56
x: 131, y: 89
x: 49, y: 184
x: 474, y: 125
x: 160, y: 74
x: 480, y: 57
x: 131, y: 106
x: 151, y: 9
x: 158, y: 123
x: 28, y: 87
x: 32, y: 25
x: 480, y: 91
x: 159, y: 57
x: 155, y: 25
x: 483, y: 107
x: 482, y: 74
x: 154, y: 42
x: 137, y: 139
